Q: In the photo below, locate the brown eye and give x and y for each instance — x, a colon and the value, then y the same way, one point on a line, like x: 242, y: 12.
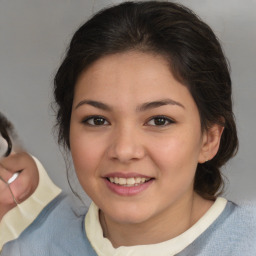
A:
x: 96, y: 121
x: 159, y: 121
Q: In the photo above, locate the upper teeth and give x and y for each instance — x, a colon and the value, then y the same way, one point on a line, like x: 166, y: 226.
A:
x: 128, y: 182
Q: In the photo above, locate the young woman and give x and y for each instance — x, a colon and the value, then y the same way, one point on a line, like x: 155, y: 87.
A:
x: 144, y: 106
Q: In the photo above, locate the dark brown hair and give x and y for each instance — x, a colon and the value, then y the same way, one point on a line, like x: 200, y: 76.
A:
x: 7, y: 132
x: 188, y: 44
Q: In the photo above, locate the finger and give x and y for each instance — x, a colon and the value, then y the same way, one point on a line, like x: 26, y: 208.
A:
x: 28, y: 179
x: 11, y: 166
x: 23, y: 186
x: 16, y: 161
x: 5, y: 174
x: 6, y: 198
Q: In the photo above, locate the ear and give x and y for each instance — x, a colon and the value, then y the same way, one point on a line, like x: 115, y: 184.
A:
x: 210, y: 143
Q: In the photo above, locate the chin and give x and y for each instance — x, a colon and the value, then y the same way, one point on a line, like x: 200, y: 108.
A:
x: 128, y: 214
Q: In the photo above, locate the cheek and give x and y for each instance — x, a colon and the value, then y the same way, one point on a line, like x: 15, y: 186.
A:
x: 85, y: 164
x: 87, y: 152
x: 84, y: 154
x: 176, y: 162
x: 176, y: 153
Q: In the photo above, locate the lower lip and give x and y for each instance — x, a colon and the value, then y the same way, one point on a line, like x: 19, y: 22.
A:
x: 127, y: 191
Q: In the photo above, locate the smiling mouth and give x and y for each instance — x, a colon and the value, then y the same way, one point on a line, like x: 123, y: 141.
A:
x: 129, y: 182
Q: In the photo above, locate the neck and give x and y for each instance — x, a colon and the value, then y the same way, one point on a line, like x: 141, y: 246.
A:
x: 170, y: 224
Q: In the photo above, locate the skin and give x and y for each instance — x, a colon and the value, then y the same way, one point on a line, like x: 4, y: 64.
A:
x: 23, y: 186
x: 129, y: 138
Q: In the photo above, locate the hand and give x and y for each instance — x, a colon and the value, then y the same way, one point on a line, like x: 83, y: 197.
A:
x: 23, y: 186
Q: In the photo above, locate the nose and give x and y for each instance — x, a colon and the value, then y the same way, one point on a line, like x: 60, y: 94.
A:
x: 126, y: 146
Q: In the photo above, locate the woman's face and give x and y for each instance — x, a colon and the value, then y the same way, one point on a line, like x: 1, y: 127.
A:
x: 135, y: 137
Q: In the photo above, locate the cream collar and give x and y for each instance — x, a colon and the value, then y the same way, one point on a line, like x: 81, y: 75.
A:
x: 103, y: 246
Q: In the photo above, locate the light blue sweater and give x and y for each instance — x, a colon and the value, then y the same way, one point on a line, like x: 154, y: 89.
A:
x: 59, y: 231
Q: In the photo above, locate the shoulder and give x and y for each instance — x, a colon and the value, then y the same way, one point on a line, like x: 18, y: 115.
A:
x: 232, y: 233
x: 241, y: 217
x: 247, y: 208
x: 58, y: 230
x: 243, y: 220
x: 238, y: 222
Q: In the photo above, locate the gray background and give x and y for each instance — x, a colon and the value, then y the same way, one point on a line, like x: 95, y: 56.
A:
x: 34, y: 35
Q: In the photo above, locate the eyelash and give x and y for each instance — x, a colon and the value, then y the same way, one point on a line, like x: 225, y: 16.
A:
x: 93, y: 119
x: 167, y: 121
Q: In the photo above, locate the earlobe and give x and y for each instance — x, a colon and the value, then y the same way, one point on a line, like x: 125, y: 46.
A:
x: 210, y: 143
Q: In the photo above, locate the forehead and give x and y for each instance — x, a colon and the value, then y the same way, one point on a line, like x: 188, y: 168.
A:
x: 128, y: 77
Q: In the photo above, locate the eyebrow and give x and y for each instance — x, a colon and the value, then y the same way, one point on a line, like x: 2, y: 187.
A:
x: 141, y: 108
x: 157, y: 104
x: 95, y: 104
